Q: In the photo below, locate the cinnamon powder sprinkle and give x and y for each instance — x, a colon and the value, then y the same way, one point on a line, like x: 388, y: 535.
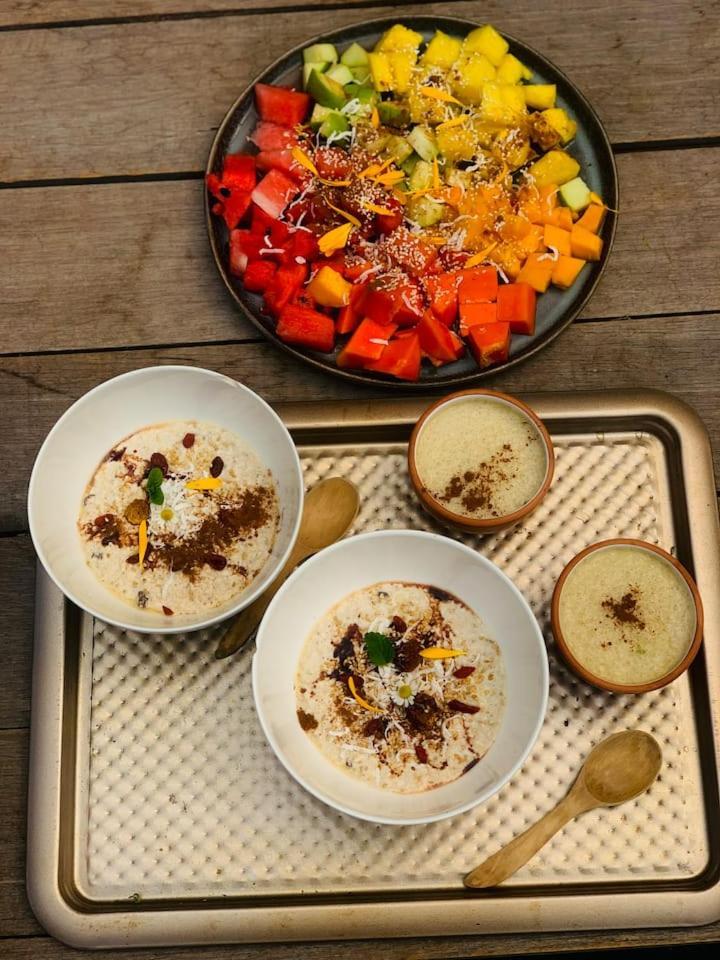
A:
x: 625, y: 610
x: 475, y: 489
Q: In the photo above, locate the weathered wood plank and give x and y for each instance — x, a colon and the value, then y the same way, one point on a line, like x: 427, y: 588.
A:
x: 17, y: 585
x: 671, y: 353
x: 146, y: 97
x: 129, y: 264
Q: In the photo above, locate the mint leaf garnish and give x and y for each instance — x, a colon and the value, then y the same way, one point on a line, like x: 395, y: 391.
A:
x: 379, y: 648
x: 154, y: 486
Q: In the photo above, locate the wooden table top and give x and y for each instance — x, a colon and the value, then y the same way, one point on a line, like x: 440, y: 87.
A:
x: 107, y: 114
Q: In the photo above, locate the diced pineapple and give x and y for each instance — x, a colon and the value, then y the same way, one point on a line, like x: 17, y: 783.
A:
x: 502, y: 104
x: 486, y: 40
x: 442, y: 51
x: 540, y: 96
x: 564, y: 124
x: 401, y: 63
x: 456, y: 143
x: 513, y: 147
x: 511, y: 70
x: 398, y: 37
x: 543, y: 133
x: 555, y: 168
x: 469, y: 76
x: 425, y: 109
x: 380, y: 71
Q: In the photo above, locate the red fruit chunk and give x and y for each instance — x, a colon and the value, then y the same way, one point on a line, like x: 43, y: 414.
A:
x: 516, y: 304
x: 258, y: 275
x: 214, y: 185
x: 244, y: 246
x: 274, y: 192
x: 379, y: 303
x: 301, y: 243
x: 366, y: 344
x: 278, y: 105
x: 462, y: 673
x: 409, y: 304
x: 239, y: 172
x: 412, y: 254
x: 472, y: 313
x: 284, y: 287
x: 400, y: 358
x: 478, y: 285
x: 282, y: 160
x: 332, y: 163
x: 459, y: 707
x: 260, y: 222
x: 306, y: 328
x: 349, y: 316
x: 233, y: 209
x: 355, y: 267
x: 435, y: 339
x: 421, y: 753
x: 452, y: 259
x: 489, y: 343
x: 270, y: 136
x: 387, y: 222
x: 442, y: 292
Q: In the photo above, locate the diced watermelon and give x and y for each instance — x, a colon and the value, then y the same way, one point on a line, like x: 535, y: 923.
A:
x: 306, y: 328
x: 400, y: 358
x: 490, y: 343
x: 302, y: 244
x: 244, y: 246
x: 284, y: 286
x: 278, y: 105
x: 258, y: 275
x: 239, y: 172
x: 270, y: 136
x: 260, y: 222
x: 274, y: 192
x: 233, y: 209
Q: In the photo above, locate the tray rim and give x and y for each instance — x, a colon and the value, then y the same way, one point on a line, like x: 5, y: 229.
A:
x: 696, y: 903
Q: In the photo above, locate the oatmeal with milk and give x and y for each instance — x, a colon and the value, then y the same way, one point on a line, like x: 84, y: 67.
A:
x: 180, y: 517
x: 400, y: 685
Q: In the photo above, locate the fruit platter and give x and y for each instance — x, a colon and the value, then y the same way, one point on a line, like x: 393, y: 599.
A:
x: 413, y: 203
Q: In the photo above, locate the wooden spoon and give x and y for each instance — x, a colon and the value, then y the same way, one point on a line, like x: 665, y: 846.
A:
x: 618, y: 769
x: 328, y: 513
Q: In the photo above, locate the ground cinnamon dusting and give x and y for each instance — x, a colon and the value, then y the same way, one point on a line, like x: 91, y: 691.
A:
x: 476, y: 488
x: 624, y: 610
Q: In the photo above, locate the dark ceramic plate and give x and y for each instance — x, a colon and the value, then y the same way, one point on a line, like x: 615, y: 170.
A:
x: 556, y: 308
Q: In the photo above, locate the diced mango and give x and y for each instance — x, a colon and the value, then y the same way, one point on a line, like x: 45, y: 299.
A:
x: 401, y: 63
x: 456, y: 143
x: 513, y: 147
x: 380, y: 71
x: 566, y: 270
x: 558, y: 238
x: 469, y: 77
x: 559, y: 217
x: 540, y: 96
x: 398, y: 37
x: 502, y: 104
x: 559, y: 119
x: 585, y: 245
x: 511, y: 70
x: 555, y: 167
x: 486, y: 40
x: 425, y: 109
x: 330, y: 288
x: 442, y: 51
x: 537, y: 271
x: 593, y: 218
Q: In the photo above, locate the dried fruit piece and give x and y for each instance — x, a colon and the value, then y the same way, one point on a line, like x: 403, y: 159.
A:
x: 160, y: 461
x: 216, y: 561
x: 136, y: 511
x: 421, y: 753
x: 459, y: 707
x: 188, y: 440
x: 462, y: 672
x: 133, y: 558
x: 167, y: 611
x: 216, y: 467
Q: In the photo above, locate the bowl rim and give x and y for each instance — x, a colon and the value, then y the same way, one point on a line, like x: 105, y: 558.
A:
x: 480, y: 796
x: 480, y: 524
x: 578, y: 667
x: 88, y: 397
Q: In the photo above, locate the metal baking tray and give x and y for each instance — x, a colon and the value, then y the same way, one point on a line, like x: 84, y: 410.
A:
x: 158, y: 814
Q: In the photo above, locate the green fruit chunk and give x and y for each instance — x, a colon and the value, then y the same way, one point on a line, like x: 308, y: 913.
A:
x: 422, y: 176
x: 398, y: 148
x: 425, y: 211
x: 409, y: 164
x: 393, y: 114
x: 575, y: 194
x: 308, y: 69
x: 340, y: 73
x: 319, y: 116
x: 357, y: 91
x: 320, y: 52
x: 423, y: 142
x: 361, y: 74
x: 325, y: 91
x: 355, y: 56
x: 334, y: 123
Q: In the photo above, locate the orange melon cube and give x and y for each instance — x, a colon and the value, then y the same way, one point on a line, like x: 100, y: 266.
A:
x: 593, y: 218
x: 566, y: 270
x: 537, y: 272
x: 585, y: 245
x: 558, y: 238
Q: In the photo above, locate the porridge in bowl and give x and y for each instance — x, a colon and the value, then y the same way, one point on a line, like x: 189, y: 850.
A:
x: 179, y: 517
x: 400, y: 686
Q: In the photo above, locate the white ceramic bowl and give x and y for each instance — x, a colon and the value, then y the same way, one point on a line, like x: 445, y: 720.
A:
x: 97, y: 422
x: 421, y: 558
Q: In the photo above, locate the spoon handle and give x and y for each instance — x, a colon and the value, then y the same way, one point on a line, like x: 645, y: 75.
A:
x: 516, y: 854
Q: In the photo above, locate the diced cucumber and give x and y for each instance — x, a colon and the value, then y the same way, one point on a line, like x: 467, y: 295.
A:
x: 355, y: 56
x: 422, y: 176
x: 340, y: 73
x: 425, y: 211
x: 398, y: 148
x: 356, y: 91
x: 575, y: 194
x: 319, y: 116
x: 422, y: 141
x: 335, y: 122
x: 308, y: 69
x: 408, y: 165
x: 320, y: 53
x: 361, y: 74
x: 393, y: 114
x: 377, y: 144
x: 325, y: 90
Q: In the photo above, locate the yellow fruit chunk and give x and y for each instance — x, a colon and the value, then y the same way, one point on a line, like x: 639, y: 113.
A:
x: 401, y: 63
x: 334, y: 239
x: 380, y: 72
x: 469, y: 77
x: 511, y: 70
x: 540, y: 96
x: 204, y: 483
x: 456, y: 143
x: 329, y: 288
x: 560, y: 121
x: 440, y: 653
x: 486, y: 40
x: 359, y: 699
x: 142, y: 541
x: 398, y: 37
x: 502, y: 104
x: 442, y: 51
x: 555, y: 168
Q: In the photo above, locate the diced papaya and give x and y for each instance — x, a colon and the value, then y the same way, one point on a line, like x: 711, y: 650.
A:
x: 537, y: 271
x: 489, y: 343
x: 366, y: 344
x: 585, y: 245
x: 555, y: 167
x: 329, y: 288
x: 442, y: 292
x: 473, y: 313
x: 306, y: 328
x: 532, y: 241
x: 400, y: 358
x: 435, y: 338
x: 566, y: 271
x: 593, y: 218
x: 349, y: 316
x: 516, y: 305
x: 558, y: 238
x: 560, y: 217
x: 488, y: 41
x: 479, y: 284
